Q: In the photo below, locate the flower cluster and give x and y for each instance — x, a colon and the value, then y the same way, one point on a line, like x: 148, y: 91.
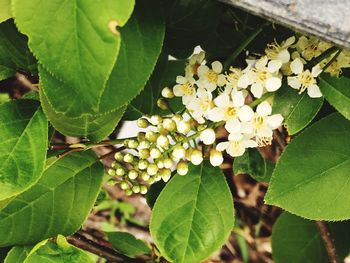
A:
x: 237, y: 99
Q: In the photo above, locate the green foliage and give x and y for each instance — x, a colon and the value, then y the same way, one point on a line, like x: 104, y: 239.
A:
x: 5, y: 10
x: 127, y: 244
x: 85, y: 32
x: 18, y: 254
x: 337, y: 93
x: 311, y: 177
x: 193, y: 215
x: 57, y: 204
x: 297, y: 240
x: 23, y: 144
x: 14, y: 53
x: 252, y: 163
x: 298, y: 110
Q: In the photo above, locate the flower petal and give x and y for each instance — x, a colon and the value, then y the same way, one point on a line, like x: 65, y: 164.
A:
x: 257, y: 90
x: 237, y: 99
x: 274, y: 65
x: 245, y: 113
x: 264, y: 109
x: 284, y: 56
x: 314, y: 91
x: 294, y: 82
x: 273, y: 84
x: 296, y: 66
x: 216, y: 66
x: 275, y: 121
x: 222, y: 146
x: 316, y: 70
x: 222, y: 100
x: 233, y: 126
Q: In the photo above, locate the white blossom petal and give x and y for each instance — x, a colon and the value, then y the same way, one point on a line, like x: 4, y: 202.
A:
x: 261, y: 63
x: 314, y: 91
x: 177, y: 91
x: 284, y: 56
x: 274, y: 65
x: 216, y: 114
x: 181, y: 79
x: 222, y: 146
x: 222, y: 100
x: 294, y: 82
x: 245, y: 113
x: 273, y: 84
x: 237, y: 99
x: 316, y: 70
x: 257, y: 90
x: 264, y: 109
x: 221, y: 80
x: 233, y: 126
x: 296, y: 66
x: 216, y: 66
x: 202, y: 70
x: 275, y: 121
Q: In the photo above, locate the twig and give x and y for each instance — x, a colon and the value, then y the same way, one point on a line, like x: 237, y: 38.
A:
x: 328, y: 241
x: 111, y: 255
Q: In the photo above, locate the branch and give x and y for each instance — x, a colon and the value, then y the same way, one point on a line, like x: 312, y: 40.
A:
x: 328, y: 241
x: 110, y: 254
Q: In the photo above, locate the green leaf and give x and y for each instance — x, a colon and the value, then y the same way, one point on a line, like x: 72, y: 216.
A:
x: 74, y: 40
x: 94, y: 127
x: 253, y: 164
x: 311, y: 178
x: 23, y: 145
x: 142, y: 39
x: 164, y: 75
x: 60, y: 252
x: 337, y: 92
x: 193, y: 215
x: 297, y: 109
x: 57, y: 204
x: 297, y: 240
x: 18, y: 254
x: 5, y: 10
x: 14, y: 52
x: 127, y: 244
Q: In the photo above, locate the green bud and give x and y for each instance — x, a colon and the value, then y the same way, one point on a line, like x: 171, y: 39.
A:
x: 120, y: 171
x: 145, y: 176
x: 142, y: 165
x: 156, y: 120
x: 177, y: 118
x: 168, y: 163
x: 119, y: 156
x: 136, y: 189
x: 162, y: 141
x: 151, y: 136
x: 165, y: 174
x: 141, y: 136
x: 144, y: 153
x: 155, y: 153
x: 196, y: 157
x: 169, y: 124
x: 143, y: 123
x: 133, y: 144
x: 128, y: 192
x: 160, y: 164
x: 151, y: 180
x: 162, y: 104
x: 124, y: 185
x: 152, y: 169
x: 143, y: 189
x: 144, y: 145
x: 182, y: 168
x: 128, y: 158
x: 168, y: 93
x: 132, y: 174
x: 157, y: 178
x: 111, y: 172
x: 162, y: 130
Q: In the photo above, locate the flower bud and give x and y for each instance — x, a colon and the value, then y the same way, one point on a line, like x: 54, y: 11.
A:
x: 155, y: 153
x: 144, y: 154
x: 143, y: 123
x: 144, y: 145
x: 169, y: 124
x: 188, y: 154
x: 183, y: 127
x: 151, y: 136
x: 182, y: 168
x: 132, y: 174
x: 156, y: 120
x: 152, y: 169
x: 136, y: 189
x: 142, y: 165
x: 124, y: 185
x: 216, y: 157
x: 162, y: 130
x: 168, y: 163
x: 160, y: 164
x: 128, y: 158
x: 165, y: 174
x: 163, y: 141
x: 145, y: 176
x: 120, y: 171
x: 128, y: 192
x: 111, y: 172
x: 178, y: 152
x: 162, y: 104
x: 157, y: 178
x: 177, y: 118
x: 196, y: 157
x: 143, y: 189
x: 151, y: 181
x: 207, y: 136
x: 141, y: 136
x: 132, y: 144
x: 119, y: 156
x: 114, y: 164
x: 167, y: 93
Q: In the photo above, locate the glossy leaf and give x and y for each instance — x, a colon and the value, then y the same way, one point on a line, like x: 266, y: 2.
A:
x: 5, y: 10
x: 127, y: 244
x: 297, y: 240
x: 14, y: 52
x: 59, y: 252
x: 253, y: 164
x: 311, y: 178
x: 76, y: 40
x: 142, y: 39
x: 57, y: 204
x: 297, y: 109
x: 18, y: 254
x: 94, y: 127
x: 193, y: 215
x: 23, y: 145
x: 337, y: 93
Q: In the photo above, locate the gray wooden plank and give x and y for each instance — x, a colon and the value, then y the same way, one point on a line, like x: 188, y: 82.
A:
x: 326, y: 19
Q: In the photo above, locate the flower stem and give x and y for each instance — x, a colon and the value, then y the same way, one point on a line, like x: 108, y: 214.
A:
x: 328, y: 241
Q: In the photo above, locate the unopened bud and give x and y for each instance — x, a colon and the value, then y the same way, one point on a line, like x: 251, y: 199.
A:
x: 160, y: 164
x: 142, y: 123
x: 207, y: 136
x: 183, y: 127
x: 163, y: 141
x: 124, y: 185
x: 144, y: 153
x: 151, y: 136
x: 111, y: 172
x: 145, y: 176
x: 141, y: 136
x: 143, y: 189
x: 128, y: 192
x: 196, y: 157
x: 136, y: 189
x: 162, y: 104
x: 152, y: 169
x: 132, y: 174
x: 128, y: 158
x: 142, y: 165
x: 216, y: 157
x: 144, y: 145
x: 119, y: 156
x: 182, y: 168
x: 133, y: 144
x: 156, y: 120
x: 168, y: 163
x: 178, y: 152
x: 167, y: 93
x: 155, y: 153
x: 120, y: 171
x: 177, y: 118
x: 169, y: 124
x: 165, y: 174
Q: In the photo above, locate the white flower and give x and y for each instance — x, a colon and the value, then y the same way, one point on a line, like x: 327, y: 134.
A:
x: 305, y: 79
x: 194, y: 62
x: 233, y: 76
x: 279, y: 53
x: 209, y: 79
x: 262, y: 124
x: 216, y: 157
x: 207, y: 136
x: 227, y: 106
x: 185, y: 88
x: 201, y: 105
x: 236, y: 144
x: 263, y: 76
